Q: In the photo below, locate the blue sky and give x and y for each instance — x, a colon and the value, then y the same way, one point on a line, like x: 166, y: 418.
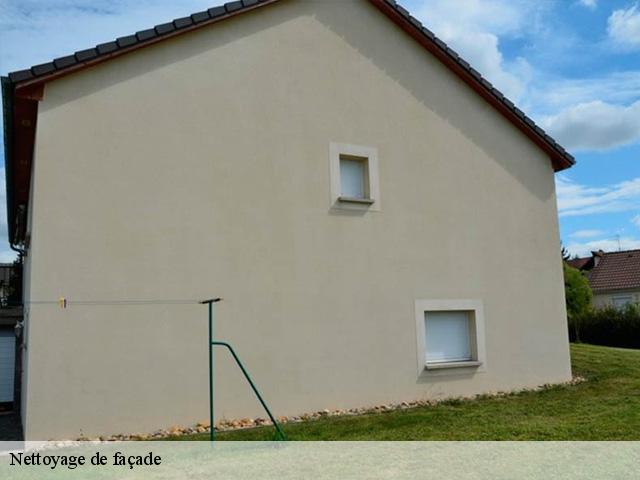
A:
x: 573, y: 65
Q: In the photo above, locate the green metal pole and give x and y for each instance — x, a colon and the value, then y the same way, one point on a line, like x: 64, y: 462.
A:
x: 253, y: 387
x: 210, y: 303
x: 211, y: 385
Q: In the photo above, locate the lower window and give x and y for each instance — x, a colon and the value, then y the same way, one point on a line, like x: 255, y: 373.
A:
x: 448, y: 337
x: 450, y: 334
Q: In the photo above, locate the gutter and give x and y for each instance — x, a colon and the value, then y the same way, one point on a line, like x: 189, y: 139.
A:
x: 8, y: 89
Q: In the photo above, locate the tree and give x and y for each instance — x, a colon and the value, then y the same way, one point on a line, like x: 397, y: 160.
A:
x: 566, y: 255
x: 578, y: 296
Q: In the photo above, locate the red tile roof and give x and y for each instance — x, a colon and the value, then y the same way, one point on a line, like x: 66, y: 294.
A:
x: 579, y: 263
x: 616, y: 271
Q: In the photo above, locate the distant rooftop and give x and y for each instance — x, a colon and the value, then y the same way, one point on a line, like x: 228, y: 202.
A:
x: 612, y: 271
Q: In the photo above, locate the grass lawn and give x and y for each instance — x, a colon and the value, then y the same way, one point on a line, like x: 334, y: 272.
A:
x: 605, y: 407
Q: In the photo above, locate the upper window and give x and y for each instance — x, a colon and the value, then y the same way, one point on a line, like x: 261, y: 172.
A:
x: 354, y: 177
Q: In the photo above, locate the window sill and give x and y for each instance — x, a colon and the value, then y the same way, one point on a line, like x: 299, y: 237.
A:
x: 363, y: 201
x: 444, y: 365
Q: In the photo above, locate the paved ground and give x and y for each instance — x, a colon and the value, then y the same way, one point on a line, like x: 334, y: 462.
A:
x: 10, y: 428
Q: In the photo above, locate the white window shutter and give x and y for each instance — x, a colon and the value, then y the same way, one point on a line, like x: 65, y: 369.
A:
x: 447, y: 336
x: 352, y: 178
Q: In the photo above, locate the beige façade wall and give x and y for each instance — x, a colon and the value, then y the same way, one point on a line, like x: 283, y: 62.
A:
x: 200, y: 167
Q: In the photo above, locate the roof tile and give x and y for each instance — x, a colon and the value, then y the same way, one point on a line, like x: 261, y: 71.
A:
x: 107, y: 47
x: 84, y: 55
x: 475, y: 73
x: 216, y: 11
x: 127, y: 41
x: 200, y: 17
x: 416, y: 23
x: 452, y: 53
x: 183, y: 22
x: 402, y: 11
x: 144, y: 35
x: 64, y: 62
x: 165, y: 28
x: 20, y: 75
x: 428, y: 33
x: 43, y: 69
x: 508, y: 102
x: 233, y: 6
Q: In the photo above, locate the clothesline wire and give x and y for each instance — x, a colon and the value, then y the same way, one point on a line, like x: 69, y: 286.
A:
x: 66, y: 301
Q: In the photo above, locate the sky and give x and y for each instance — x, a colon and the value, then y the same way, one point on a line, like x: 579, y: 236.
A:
x: 572, y: 65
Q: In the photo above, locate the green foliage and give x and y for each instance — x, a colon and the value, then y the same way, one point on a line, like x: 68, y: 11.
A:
x: 608, y: 326
x: 577, y: 293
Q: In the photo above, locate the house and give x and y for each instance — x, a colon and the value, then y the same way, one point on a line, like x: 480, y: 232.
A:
x: 614, y: 277
x: 363, y: 200
x: 10, y: 315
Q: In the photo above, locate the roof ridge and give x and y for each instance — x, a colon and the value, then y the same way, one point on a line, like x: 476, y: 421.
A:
x: 620, y: 252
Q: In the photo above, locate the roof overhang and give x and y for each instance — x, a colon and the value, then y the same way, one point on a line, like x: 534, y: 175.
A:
x: 22, y: 90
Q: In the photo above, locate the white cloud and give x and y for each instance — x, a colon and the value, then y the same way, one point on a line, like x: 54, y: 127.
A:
x: 586, y: 233
x: 636, y: 221
x: 554, y: 94
x: 623, y: 26
x: 575, y: 199
x: 608, y: 245
x: 595, y: 125
x: 592, y: 4
x: 473, y: 28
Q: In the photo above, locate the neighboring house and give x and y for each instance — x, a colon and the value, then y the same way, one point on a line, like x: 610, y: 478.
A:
x: 363, y: 200
x: 614, y: 277
x: 6, y: 270
x: 10, y: 315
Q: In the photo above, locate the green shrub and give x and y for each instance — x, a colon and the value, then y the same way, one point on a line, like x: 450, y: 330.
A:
x: 607, y: 326
x: 577, y: 292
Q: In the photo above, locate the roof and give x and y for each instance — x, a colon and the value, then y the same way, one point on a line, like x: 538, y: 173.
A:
x: 616, y: 271
x: 23, y: 86
x: 580, y: 263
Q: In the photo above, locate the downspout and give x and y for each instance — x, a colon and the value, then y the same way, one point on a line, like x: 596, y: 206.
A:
x: 8, y: 91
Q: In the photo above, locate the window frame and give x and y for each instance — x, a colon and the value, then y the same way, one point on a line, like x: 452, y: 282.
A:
x: 369, y: 155
x: 476, y: 335
x: 468, y: 331
x: 364, y: 178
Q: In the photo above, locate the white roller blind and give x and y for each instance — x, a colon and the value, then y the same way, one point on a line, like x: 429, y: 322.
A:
x: 352, y: 178
x: 447, y: 336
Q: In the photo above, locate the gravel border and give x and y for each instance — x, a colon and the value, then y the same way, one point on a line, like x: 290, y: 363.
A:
x: 247, y: 423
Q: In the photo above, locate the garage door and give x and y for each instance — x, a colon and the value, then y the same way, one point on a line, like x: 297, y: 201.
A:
x: 7, y: 364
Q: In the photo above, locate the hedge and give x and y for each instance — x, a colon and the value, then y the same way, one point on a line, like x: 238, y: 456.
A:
x: 607, y: 326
